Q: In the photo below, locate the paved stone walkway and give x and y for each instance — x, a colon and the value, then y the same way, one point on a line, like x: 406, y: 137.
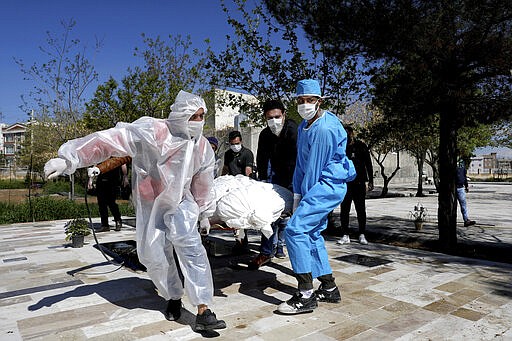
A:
x: 50, y: 291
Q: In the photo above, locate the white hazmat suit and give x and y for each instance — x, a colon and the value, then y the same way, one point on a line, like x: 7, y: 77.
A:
x: 172, y: 179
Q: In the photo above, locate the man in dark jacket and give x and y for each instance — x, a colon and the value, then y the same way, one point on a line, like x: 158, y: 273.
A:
x: 107, y: 188
x: 358, y: 152
x: 275, y: 160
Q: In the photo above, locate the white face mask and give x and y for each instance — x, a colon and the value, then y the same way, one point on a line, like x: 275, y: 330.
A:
x: 275, y: 125
x: 195, y: 129
x: 307, y: 111
x: 236, y: 147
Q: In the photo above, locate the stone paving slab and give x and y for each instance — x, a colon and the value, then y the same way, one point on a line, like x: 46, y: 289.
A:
x: 50, y: 291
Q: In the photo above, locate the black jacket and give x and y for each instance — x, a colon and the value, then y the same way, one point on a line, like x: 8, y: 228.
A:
x: 360, y: 155
x: 281, y: 151
x: 236, y: 162
x: 461, y: 180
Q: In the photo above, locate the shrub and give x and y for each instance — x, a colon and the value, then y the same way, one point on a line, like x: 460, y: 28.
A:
x: 59, y: 186
x: 12, y: 184
x: 49, y: 208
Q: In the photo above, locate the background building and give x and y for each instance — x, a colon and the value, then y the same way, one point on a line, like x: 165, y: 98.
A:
x: 11, y: 143
x: 490, y: 165
x: 13, y: 137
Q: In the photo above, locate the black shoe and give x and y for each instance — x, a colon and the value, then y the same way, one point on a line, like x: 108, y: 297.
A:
x: 469, y: 223
x: 280, y: 253
x: 208, y: 321
x: 173, y: 311
x: 103, y: 228
x: 298, y: 305
x: 240, y: 249
x: 323, y: 295
x: 119, y: 224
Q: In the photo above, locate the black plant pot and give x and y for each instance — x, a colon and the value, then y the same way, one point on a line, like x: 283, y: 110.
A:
x: 77, y: 241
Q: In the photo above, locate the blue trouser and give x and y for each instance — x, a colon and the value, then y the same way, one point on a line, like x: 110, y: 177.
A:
x: 461, y: 197
x: 305, y: 244
x: 269, y: 245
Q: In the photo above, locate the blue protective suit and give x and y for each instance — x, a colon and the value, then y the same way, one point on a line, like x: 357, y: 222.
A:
x: 320, y: 177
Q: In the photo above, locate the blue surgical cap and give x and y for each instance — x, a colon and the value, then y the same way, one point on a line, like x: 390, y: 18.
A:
x: 308, y: 87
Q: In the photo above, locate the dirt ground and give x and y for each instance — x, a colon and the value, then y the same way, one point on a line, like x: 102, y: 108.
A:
x: 14, y: 196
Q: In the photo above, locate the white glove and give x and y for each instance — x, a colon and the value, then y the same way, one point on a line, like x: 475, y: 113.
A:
x: 55, y: 167
x: 93, y: 171
x: 296, y: 200
x: 204, y: 226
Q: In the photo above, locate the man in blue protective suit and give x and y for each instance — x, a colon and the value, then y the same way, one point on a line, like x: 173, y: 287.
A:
x: 319, y: 185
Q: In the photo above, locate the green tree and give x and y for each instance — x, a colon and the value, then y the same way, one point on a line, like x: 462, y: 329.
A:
x: 460, y: 50
x: 503, y: 134
x: 384, y: 141
x: 149, y: 90
x: 266, y: 59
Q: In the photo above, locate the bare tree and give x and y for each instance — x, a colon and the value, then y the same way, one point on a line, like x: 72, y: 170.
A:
x: 58, y: 92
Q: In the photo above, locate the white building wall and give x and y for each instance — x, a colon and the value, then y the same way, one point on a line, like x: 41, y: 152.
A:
x: 476, y: 166
x: 224, y: 115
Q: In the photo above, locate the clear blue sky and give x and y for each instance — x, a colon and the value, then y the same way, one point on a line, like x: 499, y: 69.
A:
x: 119, y: 23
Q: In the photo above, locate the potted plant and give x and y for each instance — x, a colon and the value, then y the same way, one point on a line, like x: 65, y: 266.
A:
x: 76, y: 230
x: 419, y: 215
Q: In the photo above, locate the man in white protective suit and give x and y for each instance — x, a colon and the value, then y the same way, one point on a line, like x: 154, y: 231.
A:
x: 172, y: 167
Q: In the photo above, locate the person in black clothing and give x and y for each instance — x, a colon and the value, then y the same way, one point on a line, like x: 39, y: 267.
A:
x: 462, y: 188
x: 107, y: 186
x: 275, y: 160
x: 238, y: 160
x: 358, y: 152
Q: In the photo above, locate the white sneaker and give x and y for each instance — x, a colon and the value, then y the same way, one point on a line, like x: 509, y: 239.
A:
x: 344, y: 240
x: 362, y: 239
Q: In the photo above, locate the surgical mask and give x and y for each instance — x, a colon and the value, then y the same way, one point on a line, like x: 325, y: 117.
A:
x: 275, y: 125
x: 236, y: 147
x: 195, y: 129
x: 307, y: 110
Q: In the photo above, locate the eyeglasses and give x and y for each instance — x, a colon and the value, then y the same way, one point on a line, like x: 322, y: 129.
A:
x: 308, y: 100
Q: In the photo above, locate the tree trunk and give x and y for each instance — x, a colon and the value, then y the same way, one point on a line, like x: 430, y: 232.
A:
x: 386, y: 179
x: 432, y: 160
x: 385, y: 187
x: 72, y: 187
x: 447, y: 210
x: 435, y: 175
x: 419, y: 162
